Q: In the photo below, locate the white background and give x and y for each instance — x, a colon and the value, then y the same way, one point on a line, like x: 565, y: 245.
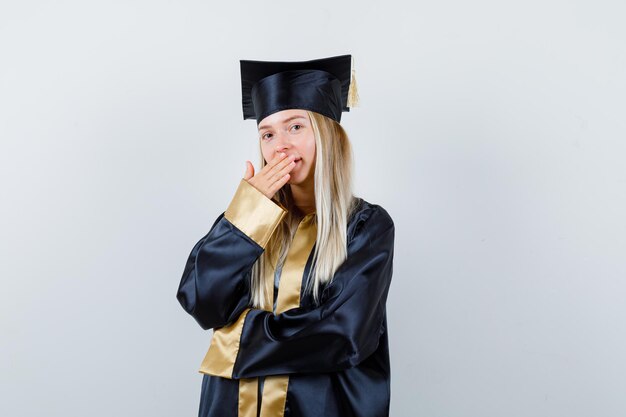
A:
x: 492, y: 132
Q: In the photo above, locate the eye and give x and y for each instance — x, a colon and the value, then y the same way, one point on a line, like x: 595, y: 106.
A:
x: 294, y: 126
x: 266, y: 134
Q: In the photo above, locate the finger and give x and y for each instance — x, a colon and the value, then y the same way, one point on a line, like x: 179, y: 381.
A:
x: 249, y: 171
x: 282, y: 162
x: 279, y: 172
x: 278, y: 159
x: 279, y: 183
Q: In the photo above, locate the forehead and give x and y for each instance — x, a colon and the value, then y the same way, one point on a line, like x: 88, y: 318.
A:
x: 282, y: 117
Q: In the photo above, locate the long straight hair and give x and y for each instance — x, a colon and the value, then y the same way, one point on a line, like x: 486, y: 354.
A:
x: 334, y: 203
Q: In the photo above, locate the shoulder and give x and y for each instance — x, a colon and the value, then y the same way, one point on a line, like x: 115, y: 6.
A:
x: 370, y: 218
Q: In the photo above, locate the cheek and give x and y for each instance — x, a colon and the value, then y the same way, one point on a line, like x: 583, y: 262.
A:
x: 312, y: 154
x: 267, y: 154
x: 310, y: 151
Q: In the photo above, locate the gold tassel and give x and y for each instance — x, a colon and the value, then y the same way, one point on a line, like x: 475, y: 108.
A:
x: 353, y: 93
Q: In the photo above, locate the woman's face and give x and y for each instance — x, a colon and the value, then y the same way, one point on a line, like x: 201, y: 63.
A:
x: 290, y: 131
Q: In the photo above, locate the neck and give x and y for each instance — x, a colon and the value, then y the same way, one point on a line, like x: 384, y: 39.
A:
x: 304, y: 196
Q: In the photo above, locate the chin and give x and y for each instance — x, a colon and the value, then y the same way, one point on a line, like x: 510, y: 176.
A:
x: 299, y: 177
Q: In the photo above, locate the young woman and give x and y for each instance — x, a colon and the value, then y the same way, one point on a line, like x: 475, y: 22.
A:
x: 293, y: 277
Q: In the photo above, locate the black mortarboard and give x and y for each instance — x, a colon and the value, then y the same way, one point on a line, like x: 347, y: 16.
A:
x: 326, y: 86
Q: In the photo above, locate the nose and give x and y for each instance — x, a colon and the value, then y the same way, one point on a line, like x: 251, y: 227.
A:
x: 281, y: 143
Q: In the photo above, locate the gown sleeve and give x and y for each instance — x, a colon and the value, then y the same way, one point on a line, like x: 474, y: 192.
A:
x: 214, y: 287
x: 338, y: 334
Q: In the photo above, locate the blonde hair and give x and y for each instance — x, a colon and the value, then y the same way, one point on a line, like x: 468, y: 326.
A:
x: 334, y: 202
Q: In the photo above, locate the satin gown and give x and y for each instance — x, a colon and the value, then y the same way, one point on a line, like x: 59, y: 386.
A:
x: 302, y: 359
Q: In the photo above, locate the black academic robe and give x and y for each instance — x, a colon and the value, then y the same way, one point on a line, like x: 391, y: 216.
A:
x: 330, y: 359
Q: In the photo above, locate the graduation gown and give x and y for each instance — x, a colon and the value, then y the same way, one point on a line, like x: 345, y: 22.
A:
x: 303, y: 359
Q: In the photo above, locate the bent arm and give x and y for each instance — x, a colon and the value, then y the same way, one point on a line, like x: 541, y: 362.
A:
x: 215, y: 284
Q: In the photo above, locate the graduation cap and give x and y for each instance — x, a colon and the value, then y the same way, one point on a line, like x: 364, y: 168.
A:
x: 326, y: 86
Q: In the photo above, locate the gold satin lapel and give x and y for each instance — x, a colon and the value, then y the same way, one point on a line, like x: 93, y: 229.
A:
x: 274, y: 396
x: 289, y: 288
x: 293, y: 269
x: 220, y: 359
x: 248, y: 397
x: 249, y: 387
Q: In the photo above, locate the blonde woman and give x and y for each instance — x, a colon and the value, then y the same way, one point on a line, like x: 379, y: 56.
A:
x: 293, y: 276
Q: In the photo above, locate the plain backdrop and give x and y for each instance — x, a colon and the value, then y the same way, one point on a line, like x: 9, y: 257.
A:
x: 493, y: 132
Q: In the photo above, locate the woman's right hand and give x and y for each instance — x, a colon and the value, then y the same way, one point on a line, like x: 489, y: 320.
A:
x: 272, y: 176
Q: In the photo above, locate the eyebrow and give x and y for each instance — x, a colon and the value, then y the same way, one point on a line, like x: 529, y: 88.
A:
x: 284, y: 121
